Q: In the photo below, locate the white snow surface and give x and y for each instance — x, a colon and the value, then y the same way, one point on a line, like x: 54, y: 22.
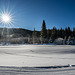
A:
x: 14, y: 57
x: 37, y: 55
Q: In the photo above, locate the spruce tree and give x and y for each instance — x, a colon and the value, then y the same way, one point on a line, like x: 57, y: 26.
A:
x: 43, y: 32
x: 48, y: 34
x: 54, y: 33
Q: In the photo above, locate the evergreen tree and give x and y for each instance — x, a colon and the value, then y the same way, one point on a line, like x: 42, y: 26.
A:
x: 68, y: 32
x: 48, y: 34
x: 74, y: 32
x: 34, y: 36
x: 61, y: 35
x: 58, y: 33
x: 43, y: 32
x: 54, y: 34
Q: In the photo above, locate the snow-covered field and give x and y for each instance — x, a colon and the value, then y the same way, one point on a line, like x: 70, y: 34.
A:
x: 31, y: 56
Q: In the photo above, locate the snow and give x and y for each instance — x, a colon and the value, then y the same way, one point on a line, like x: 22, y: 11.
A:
x: 37, y: 56
x: 36, y: 71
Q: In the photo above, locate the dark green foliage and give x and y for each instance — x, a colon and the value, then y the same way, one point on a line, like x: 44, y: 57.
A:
x: 18, y: 35
x: 68, y: 32
x: 43, y: 32
x: 54, y: 33
x: 74, y: 32
x: 60, y: 33
x: 48, y: 34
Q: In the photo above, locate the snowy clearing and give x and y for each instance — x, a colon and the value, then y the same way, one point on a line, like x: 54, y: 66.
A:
x: 37, y: 56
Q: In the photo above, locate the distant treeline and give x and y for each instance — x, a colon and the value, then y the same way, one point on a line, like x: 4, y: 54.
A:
x: 20, y: 35
x: 49, y: 35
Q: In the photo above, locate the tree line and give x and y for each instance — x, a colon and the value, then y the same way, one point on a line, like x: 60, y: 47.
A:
x: 19, y: 35
x: 49, y: 35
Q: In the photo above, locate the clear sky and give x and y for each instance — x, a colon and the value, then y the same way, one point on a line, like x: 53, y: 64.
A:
x: 29, y: 14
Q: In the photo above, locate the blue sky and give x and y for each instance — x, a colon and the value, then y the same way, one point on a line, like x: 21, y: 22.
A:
x: 29, y: 14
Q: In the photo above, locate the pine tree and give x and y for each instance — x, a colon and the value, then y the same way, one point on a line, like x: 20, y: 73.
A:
x: 43, y: 32
x: 34, y: 36
x: 54, y: 34
x: 48, y: 34
x: 74, y: 32
x: 68, y: 32
x: 61, y: 33
x: 58, y: 33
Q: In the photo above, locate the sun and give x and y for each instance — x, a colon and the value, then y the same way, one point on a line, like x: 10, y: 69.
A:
x: 6, y: 18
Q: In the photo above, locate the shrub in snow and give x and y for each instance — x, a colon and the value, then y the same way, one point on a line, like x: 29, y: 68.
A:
x: 59, y: 41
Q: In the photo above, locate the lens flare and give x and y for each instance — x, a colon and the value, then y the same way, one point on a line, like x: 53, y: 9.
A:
x: 6, y: 18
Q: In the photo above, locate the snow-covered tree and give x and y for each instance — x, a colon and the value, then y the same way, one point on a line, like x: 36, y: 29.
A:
x: 64, y: 40
x: 69, y: 39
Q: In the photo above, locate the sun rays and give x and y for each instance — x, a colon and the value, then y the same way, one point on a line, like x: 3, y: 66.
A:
x: 6, y: 19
